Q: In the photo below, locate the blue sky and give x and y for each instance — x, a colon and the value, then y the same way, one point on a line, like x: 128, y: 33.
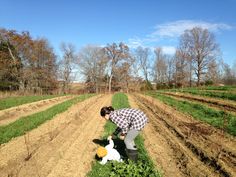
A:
x: 149, y: 23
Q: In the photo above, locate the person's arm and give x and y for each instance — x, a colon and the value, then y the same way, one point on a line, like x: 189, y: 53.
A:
x: 116, y: 132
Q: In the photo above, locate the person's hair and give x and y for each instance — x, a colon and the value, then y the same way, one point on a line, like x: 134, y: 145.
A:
x: 106, y: 110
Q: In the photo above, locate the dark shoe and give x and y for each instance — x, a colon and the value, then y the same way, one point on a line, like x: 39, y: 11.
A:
x: 132, y: 154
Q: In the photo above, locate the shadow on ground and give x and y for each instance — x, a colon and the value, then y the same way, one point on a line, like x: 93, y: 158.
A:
x: 119, y: 146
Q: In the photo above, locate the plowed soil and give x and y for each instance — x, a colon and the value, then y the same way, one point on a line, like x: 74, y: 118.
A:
x: 61, y: 147
x: 182, y: 146
x: 12, y: 114
x: 226, y: 105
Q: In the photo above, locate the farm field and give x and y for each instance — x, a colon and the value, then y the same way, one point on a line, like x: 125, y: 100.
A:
x: 183, y: 146
x: 226, y: 93
x: 11, y: 114
x: 9, y: 102
x: 177, y: 143
x: 61, y: 146
x: 227, y: 105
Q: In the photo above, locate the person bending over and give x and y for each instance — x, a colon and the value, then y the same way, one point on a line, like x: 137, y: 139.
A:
x: 129, y: 123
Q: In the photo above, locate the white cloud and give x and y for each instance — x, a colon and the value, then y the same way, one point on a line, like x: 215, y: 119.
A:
x: 175, y: 29
x: 170, y: 50
x: 135, y: 42
x: 171, y: 31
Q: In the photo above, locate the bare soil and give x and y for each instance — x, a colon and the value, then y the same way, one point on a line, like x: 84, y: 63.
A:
x: 182, y: 146
x: 12, y: 114
x: 61, y: 147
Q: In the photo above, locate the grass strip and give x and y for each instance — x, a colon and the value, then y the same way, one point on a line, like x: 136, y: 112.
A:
x: 233, y: 87
x: 144, y: 166
x: 223, y: 95
x: 16, y: 101
x: 219, y: 119
x: 25, y: 124
x: 221, y: 88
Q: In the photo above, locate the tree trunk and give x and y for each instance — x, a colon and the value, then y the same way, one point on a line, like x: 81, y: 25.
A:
x: 110, y: 79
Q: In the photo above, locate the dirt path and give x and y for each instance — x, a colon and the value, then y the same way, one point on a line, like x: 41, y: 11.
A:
x: 12, y: 114
x: 218, y: 103
x: 182, y: 146
x: 62, y: 146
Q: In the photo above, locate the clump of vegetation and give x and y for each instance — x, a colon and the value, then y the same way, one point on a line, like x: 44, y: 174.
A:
x: 141, y: 168
x: 144, y: 166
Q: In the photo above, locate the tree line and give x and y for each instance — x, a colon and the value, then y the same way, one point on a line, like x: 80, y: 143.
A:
x: 28, y: 64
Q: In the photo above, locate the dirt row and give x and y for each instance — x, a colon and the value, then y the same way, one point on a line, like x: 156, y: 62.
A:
x: 62, y: 146
x: 182, y: 146
x: 221, y: 91
x: 220, y: 104
x: 12, y: 114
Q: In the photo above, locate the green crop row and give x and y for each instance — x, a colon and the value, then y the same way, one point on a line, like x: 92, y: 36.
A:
x: 25, y: 124
x: 219, y: 119
x: 221, y: 88
x: 223, y: 95
x: 229, y: 88
x: 16, y: 101
x: 144, y: 166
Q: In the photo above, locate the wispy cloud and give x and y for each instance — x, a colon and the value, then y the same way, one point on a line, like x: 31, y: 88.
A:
x: 135, y: 42
x: 175, y: 29
x: 170, y: 50
x: 171, y: 31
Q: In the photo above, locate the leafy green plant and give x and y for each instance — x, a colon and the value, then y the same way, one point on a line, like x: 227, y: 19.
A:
x: 139, y: 169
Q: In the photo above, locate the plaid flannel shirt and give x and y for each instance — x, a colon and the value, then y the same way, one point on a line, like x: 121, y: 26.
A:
x: 128, y: 119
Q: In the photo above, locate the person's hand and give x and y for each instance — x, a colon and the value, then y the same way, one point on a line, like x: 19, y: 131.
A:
x: 109, y: 137
x: 122, y: 137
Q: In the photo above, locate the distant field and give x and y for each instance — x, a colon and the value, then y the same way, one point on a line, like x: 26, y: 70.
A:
x: 226, y: 88
x: 226, y: 92
x: 6, y: 103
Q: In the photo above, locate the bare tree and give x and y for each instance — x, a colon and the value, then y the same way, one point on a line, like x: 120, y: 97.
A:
x: 234, y: 68
x: 160, y: 67
x: 200, y: 45
x: 142, y: 58
x: 66, y: 65
x: 115, y: 54
x: 170, y: 69
x: 212, y: 74
x: 228, y: 75
x: 181, y: 69
x: 93, y: 66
